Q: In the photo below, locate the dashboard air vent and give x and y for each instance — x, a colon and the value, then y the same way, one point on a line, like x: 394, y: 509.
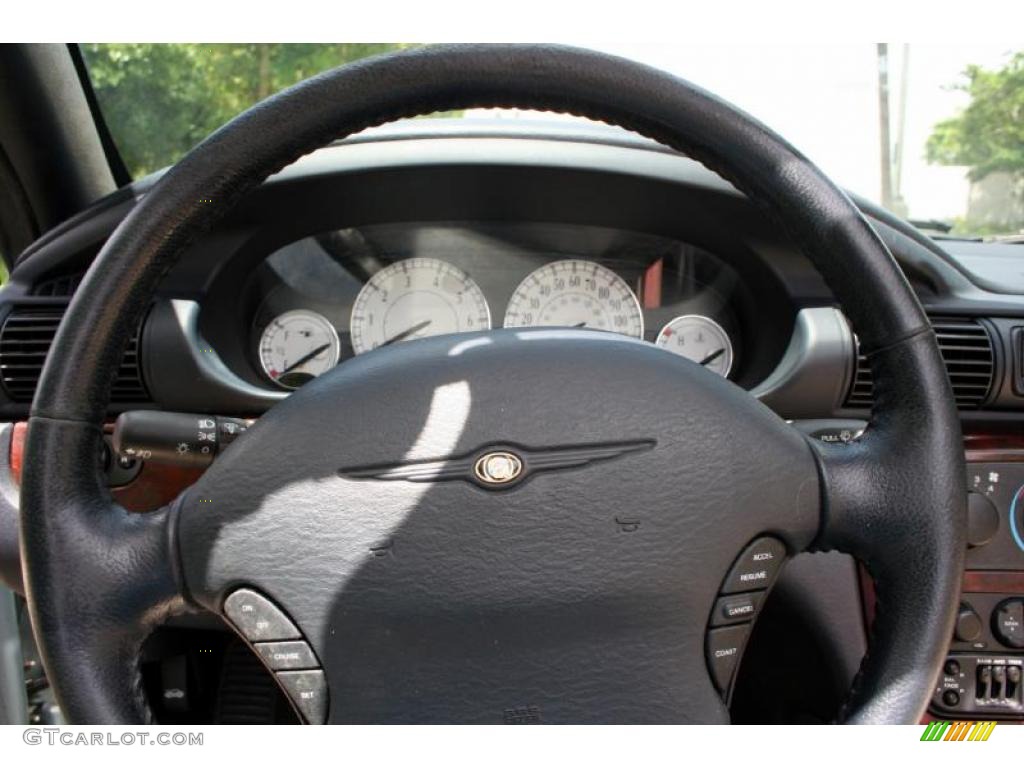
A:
x: 966, y: 348
x: 62, y: 285
x: 25, y: 340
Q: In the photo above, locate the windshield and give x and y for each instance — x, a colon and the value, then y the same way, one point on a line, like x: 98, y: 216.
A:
x: 933, y: 133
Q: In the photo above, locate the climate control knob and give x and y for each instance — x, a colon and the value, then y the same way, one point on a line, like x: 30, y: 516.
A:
x: 968, y: 624
x: 982, y: 519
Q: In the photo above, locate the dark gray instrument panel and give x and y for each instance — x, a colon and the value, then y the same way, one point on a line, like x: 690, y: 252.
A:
x: 347, y: 290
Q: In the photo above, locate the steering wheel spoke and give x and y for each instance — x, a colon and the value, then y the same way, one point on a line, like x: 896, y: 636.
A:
x: 103, y: 577
x: 900, y: 513
x: 583, y: 588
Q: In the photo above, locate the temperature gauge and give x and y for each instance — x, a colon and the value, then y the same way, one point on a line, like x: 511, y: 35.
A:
x: 700, y: 339
x: 298, y: 346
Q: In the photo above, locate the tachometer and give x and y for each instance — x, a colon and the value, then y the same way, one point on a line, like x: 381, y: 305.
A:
x: 298, y: 346
x: 414, y: 298
x: 578, y: 294
x: 700, y: 339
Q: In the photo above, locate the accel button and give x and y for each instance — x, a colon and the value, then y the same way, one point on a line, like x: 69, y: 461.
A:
x: 756, y: 568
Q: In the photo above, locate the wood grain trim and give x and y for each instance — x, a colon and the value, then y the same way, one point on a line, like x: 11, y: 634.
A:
x: 1003, y: 582
x: 17, y: 450
x: 994, y: 448
x: 995, y: 582
x: 157, y: 485
x: 154, y: 486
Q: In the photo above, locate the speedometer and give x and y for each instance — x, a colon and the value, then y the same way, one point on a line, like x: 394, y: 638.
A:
x: 577, y: 294
x: 414, y: 298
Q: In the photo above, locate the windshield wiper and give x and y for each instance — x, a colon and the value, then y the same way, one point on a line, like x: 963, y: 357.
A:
x: 1017, y: 239
x: 932, y: 224
x: 940, y: 230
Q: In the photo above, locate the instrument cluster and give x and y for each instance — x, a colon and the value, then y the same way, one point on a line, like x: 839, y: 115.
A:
x: 345, y: 293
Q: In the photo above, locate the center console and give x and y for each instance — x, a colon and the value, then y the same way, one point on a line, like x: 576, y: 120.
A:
x: 983, y: 675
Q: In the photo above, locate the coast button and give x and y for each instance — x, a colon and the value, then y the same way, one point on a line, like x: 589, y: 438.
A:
x: 724, y: 648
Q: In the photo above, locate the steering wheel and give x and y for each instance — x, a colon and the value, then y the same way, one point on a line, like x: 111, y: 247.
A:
x: 512, y: 525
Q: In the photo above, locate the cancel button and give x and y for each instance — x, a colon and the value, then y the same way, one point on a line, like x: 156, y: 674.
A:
x: 735, y: 609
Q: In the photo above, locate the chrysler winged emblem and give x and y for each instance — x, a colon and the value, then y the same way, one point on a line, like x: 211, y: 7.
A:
x: 497, y: 466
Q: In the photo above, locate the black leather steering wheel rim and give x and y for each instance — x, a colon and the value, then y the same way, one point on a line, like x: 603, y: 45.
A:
x: 98, y: 579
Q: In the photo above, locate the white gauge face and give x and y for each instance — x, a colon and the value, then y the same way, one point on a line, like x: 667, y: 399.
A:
x: 298, y: 346
x: 576, y: 294
x: 700, y: 339
x: 415, y: 298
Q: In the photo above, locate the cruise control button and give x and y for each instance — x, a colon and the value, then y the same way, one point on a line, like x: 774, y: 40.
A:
x: 257, y: 618
x: 756, y: 567
x: 724, y: 648
x: 294, y: 654
x: 308, y: 692
x: 733, y: 609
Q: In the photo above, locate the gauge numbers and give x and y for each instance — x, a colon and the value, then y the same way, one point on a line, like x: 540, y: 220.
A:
x: 298, y: 346
x: 577, y: 294
x: 415, y: 298
x: 700, y: 339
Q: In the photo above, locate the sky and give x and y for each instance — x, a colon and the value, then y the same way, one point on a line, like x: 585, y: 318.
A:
x: 824, y: 100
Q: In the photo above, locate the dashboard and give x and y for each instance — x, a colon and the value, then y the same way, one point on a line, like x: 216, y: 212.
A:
x: 440, y: 227
x: 505, y: 219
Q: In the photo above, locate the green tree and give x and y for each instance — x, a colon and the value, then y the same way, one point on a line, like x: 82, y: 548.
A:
x: 160, y: 100
x: 988, y: 135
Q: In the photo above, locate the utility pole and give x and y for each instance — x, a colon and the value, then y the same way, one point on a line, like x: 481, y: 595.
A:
x: 899, y: 146
x: 883, y: 124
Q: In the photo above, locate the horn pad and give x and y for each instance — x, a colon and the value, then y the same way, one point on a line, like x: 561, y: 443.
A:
x: 381, y: 508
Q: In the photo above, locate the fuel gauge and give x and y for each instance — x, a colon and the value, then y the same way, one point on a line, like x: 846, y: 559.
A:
x: 700, y: 339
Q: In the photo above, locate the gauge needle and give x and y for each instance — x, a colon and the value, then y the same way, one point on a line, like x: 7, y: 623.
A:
x: 407, y: 332
x: 304, y: 359
x: 713, y: 356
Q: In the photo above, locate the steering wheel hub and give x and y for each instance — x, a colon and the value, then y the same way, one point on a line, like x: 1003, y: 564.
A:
x: 429, y: 597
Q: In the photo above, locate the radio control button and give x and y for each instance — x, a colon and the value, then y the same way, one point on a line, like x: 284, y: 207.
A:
x: 984, y: 681
x: 968, y: 624
x: 1008, y: 622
